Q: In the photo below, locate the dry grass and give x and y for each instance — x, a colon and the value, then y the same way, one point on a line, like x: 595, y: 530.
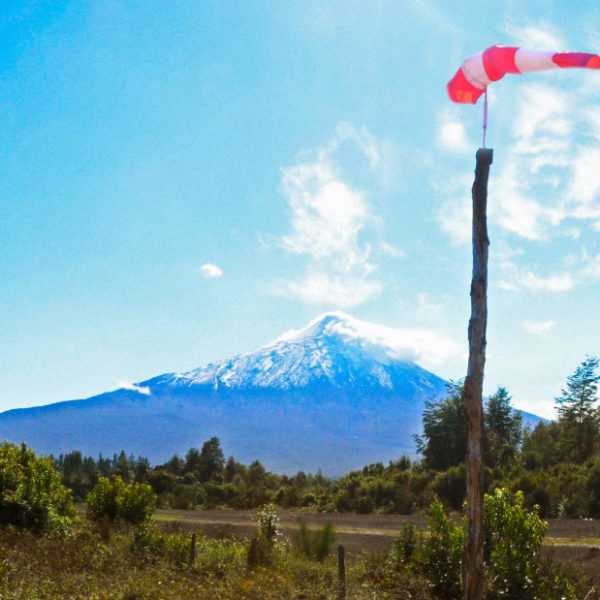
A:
x: 83, y: 567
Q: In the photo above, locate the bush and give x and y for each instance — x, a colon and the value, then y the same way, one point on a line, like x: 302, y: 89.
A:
x: 450, y: 486
x: 514, y: 539
x: 267, y: 523
x: 112, y: 500
x: 31, y: 492
x: 316, y: 544
x: 259, y: 553
x: 441, y: 554
x: 406, y: 544
x: 365, y: 505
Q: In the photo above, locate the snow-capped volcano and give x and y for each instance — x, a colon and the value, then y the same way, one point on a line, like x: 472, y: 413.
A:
x: 334, y: 348
x: 335, y: 395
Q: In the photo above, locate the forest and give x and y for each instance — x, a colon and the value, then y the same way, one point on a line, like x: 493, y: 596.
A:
x: 556, y: 465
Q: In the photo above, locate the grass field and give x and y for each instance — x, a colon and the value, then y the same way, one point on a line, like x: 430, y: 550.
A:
x: 572, y: 541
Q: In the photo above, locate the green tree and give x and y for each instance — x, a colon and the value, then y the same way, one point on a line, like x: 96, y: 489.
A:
x: 578, y: 414
x: 541, y: 447
x: 231, y: 470
x: 114, y: 500
x: 32, y: 495
x: 444, y: 440
x: 503, y: 429
x: 211, y: 461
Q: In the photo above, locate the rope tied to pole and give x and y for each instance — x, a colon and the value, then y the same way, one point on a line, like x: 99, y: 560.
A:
x: 485, y: 117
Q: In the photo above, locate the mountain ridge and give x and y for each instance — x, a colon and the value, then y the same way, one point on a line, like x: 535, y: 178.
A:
x: 335, y: 395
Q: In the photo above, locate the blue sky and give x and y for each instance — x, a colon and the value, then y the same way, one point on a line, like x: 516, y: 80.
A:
x: 182, y: 181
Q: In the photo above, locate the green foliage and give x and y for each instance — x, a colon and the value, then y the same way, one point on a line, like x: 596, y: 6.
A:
x: 503, y: 430
x: 404, y: 548
x: 441, y: 554
x: 578, y: 413
x: 211, y: 461
x: 113, y: 499
x: 450, y: 486
x: 315, y: 544
x: 513, y: 545
x: 444, y: 440
x: 260, y: 553
x: 267, y: 523
x: 32, y: 495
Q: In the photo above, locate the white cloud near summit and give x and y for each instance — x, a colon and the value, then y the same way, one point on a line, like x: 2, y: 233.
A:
x: 329, y: 220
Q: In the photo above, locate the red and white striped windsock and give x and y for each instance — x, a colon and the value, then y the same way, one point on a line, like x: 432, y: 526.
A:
x: 481, y: 69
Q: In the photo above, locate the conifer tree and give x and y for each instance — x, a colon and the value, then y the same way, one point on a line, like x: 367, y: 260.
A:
x: 503, y: 429
x: 578, y: 414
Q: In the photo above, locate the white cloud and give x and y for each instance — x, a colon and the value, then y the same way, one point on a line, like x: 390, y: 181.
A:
x: 538, y: 327
x: 584, y: 186
x: 452, y: 134
x: 391, y: 250
x: 542, y: 36
x: 590, y: 269
x: 528, y: 280
x: 141, y: 389
x: 424, y: 346
x: 210, y: 271
x: 427, y: 307
x: 323, y: 289
x: 329, y: 220
x: 454, y: 217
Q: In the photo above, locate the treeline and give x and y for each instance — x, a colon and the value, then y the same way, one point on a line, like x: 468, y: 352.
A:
x: 557, y: 465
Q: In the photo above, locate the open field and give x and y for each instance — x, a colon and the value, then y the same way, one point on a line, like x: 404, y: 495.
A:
x: 376, y: 529
x: 572, y: 541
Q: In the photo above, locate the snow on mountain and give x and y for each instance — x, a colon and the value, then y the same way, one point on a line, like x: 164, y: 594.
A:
x: 335, y: 347
x: 335, y: 395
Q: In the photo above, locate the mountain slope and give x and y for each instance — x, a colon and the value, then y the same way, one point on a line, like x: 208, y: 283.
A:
x: 336, y: 395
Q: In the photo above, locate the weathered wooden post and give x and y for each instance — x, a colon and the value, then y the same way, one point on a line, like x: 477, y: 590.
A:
x: 341, y: 573
x: 193, y: 550
x: 473, y: 389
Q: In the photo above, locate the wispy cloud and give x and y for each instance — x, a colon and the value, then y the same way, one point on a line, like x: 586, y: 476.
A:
x: 454, y: 213
x: 582, y: 269
x: 538, y: 327
x: 329, y: 216
x: 391, y: 250
x: 452, y: 134
x: 517, y: 278
x: 140, y: 389
x: 211, y: 271
x: 541, y: 36
x: 427, y: 307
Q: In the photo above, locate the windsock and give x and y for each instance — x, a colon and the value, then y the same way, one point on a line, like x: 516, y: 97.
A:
x: 483, y: 68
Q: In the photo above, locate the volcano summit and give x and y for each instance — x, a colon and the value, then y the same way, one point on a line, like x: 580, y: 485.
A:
x: 336, y: 395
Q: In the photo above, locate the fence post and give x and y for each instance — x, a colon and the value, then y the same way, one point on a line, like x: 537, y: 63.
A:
x: 193, y: 550
x: 341, y: 573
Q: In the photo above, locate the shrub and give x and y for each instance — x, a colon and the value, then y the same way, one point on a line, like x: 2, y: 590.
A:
x: 315, y: 544
x: 450, y: 486
x: 267, y: 523
x: 365, y: 505
x: 31, y: 492
x: 441, y: 554
x: 112, y: 500
x: 514, y: 539
x: 406, y: 544
x: 259, y: 553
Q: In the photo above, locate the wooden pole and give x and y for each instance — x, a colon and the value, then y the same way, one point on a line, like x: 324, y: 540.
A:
x: 193, y: 550
x: 341, y: 573
x: 473, y: 390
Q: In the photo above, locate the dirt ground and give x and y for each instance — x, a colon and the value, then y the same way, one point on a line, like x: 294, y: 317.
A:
x: 575, y: 543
